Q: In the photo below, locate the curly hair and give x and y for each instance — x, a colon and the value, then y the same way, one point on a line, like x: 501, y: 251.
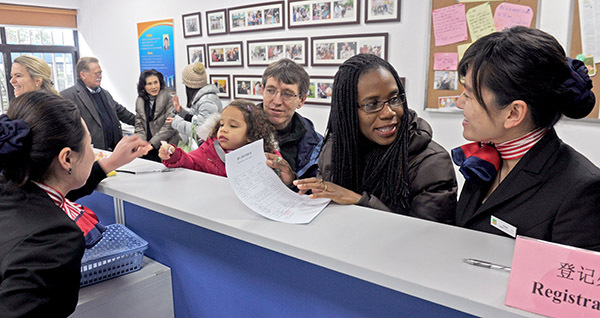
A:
x: 257, y: 122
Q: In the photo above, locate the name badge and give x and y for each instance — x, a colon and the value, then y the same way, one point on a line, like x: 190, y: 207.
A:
x: 503, y: 226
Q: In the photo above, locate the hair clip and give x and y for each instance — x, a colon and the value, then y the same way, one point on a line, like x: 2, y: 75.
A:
x: 249, y: 108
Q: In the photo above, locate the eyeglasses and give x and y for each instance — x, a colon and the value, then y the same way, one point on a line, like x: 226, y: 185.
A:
x: 285, y: 95
x: 97, y: 74
x: 394, y: 102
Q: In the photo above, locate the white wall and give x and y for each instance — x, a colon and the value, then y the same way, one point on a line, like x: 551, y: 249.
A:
x: 108, y: 31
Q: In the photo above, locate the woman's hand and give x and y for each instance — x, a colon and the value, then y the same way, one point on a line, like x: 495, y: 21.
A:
x: 285, y: 172
x: 176, y: 104
x: 165, y: 151
x: 128, y: 148
x: 326, y: 189
x: 169, y: 120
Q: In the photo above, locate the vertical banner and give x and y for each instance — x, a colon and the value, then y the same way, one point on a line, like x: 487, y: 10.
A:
x: 155, y: 41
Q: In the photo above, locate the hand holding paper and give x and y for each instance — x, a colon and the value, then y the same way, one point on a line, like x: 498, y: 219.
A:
x: 260, y: 189
x: 283, y: 167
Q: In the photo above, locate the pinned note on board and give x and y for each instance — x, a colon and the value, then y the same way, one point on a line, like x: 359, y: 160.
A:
x: 449, y: 25
x: 508, y: 15
x: 480, y: 21
x: 445, y: 61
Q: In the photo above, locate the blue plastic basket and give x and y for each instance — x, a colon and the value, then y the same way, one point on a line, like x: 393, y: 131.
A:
x: 120, y: 251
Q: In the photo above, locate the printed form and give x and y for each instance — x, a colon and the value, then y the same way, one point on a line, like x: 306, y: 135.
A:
x: 260, y: 189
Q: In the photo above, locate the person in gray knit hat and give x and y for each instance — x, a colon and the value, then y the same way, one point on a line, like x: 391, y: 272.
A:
x: 202, y: 101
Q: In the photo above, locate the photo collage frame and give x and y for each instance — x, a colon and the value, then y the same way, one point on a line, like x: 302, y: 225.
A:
x: 331, y: 50
x: 264, y: 52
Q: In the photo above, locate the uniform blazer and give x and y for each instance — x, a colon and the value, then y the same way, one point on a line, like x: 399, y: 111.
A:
x: 158, y: 127
x: 79, y: 95
x: 40, y: 255
x: 553, y: 194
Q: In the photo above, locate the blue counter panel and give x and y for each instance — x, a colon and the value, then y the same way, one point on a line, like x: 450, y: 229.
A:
x: 102, y: 205
x: 215, y: 275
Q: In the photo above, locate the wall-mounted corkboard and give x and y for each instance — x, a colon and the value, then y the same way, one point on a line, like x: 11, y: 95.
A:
x: 433, y: 94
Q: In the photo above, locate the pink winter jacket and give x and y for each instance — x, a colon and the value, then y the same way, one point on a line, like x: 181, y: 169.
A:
x: 203, y: 159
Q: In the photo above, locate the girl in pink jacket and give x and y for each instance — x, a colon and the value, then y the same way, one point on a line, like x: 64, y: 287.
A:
x: 241, y: 123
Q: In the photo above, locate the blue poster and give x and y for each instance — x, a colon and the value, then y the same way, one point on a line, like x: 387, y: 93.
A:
x: 155, y: 40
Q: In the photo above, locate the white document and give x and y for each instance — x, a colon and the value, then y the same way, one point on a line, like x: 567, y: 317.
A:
x: 139, y: 165
x: 260, y: 189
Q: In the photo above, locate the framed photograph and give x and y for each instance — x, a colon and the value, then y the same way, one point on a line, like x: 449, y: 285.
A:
x: 320, y: 90
x: 334, y: 50
x: 382, y: 11
x: 191, y: 25
x: 263, y: 52
x: 216, y: 22
x: 256, y: 17
x: 196, y: 53
x: 248, y: 87
x: 309, y: 13
x: 222, y: 83
x: 225, y: 54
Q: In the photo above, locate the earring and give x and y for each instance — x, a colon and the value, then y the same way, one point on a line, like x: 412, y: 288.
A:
x: 70, y: 170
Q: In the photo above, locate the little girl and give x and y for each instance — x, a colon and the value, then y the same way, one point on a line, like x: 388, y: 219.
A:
x: 241, y: 123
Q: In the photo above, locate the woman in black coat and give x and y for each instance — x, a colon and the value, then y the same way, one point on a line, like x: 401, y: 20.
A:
x: 521, y: 179
x: 45, y: 152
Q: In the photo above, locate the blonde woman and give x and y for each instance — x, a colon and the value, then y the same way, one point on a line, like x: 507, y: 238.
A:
x: 30, y: 73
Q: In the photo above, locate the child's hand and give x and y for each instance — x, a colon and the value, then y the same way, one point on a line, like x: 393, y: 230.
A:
x: 285, y: 172
x: 169, y: 120
x: 166, y: 150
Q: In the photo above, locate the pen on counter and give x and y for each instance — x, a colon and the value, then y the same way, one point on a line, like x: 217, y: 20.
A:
x: 145, y: 171
x: 485, y: 264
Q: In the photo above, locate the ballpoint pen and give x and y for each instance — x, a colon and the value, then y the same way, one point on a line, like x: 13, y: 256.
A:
x: 485, y: 264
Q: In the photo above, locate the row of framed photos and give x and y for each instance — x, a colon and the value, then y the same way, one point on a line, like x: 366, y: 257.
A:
x: 301, y: 13
x: 326, y: 50
x: 250, y: 87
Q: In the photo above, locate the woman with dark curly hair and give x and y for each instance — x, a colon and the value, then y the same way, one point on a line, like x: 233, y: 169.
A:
x: 518, y: 84
x: 241, y: 123
x: 379, y: 153
x: 152, y: 107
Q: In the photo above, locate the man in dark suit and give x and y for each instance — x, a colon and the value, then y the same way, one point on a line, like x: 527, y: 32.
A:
x: 101, y: 113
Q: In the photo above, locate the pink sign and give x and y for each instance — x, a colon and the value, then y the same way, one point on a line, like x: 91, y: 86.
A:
x: 449, y: 24
x: 508, y: 15
x: 554, y: 280
x: 445, y: 61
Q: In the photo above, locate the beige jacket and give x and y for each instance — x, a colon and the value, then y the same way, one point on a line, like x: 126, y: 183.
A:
x: 159, y: 129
